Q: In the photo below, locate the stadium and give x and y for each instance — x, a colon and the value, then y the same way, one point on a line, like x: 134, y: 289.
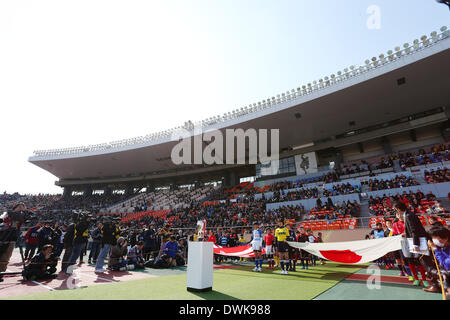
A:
x: 351, y: 146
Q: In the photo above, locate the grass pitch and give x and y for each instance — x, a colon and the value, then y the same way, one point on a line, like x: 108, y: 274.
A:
x: 229, y: 284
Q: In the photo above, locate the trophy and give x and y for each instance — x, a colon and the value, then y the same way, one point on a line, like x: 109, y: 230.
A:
x: 201, y: 229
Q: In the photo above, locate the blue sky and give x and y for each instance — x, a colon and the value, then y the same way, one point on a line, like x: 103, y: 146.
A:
x: 84, y: 72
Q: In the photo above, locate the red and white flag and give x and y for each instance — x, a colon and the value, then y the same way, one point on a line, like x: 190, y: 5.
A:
x: 241, y: 251
x: 352, y: 252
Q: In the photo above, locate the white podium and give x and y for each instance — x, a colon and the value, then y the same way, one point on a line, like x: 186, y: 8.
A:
x: 200, y: 266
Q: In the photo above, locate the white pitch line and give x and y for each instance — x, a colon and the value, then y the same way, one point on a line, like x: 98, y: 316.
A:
x: 43, y: 285
x: 96, y: 277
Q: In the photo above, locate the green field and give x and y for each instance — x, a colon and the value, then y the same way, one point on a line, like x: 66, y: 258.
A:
x: 229, y: 284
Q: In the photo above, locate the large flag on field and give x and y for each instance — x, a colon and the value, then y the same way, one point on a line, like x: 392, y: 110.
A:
x: 241, y: 251
x: 352, y: 252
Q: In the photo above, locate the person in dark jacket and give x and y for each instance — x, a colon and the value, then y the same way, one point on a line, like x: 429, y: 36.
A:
x: 42, y: 266
x: 117, y: 261
x: 68, y: 245
x: 79, y: 240
x: 135, y: 256
x: 415, y: 230
x: 57, y: 244
x: 96, y: 235
x: 109, y: 238
x: 159, y: 263
x: 45, y: 235
x: 132, y: 238
x: 31, y: 241
x: 149, y: 238
x: 304, y: 255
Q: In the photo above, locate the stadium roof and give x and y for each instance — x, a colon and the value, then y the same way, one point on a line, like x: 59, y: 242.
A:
x: 406, y: 81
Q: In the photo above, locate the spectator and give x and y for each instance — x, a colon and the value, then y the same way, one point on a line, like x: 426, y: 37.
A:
x: 440, y: 243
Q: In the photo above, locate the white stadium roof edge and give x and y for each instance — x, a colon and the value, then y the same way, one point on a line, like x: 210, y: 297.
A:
x: 425, y: 64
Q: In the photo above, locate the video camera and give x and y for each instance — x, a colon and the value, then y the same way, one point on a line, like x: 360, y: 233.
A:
x: 79, y: 216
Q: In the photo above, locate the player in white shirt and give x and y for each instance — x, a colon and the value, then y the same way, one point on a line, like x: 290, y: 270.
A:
x: 257, y: 242
x: 312, y: 239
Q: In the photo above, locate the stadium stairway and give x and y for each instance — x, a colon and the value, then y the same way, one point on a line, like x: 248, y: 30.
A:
x: 364, y: 188
x: 397, y: 167
x: 364, y: 214
x: 419, y: 178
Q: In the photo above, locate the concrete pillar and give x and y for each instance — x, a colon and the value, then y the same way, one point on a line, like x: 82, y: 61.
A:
x: 387, y: 147
x: 445, y: 129
x: 198, y: 184
x: 108, y: 191
x: 361, y: 147
x: 129, y: 190
x: 67, y: 192
x: 88, y: 191
x: 412, y: 134
x: 230, y: 179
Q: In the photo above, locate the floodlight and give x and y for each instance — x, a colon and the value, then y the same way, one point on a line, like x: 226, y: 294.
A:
x: 434, y: 36
x: 374, y: 61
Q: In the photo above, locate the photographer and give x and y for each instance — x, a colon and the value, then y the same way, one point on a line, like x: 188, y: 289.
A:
x: 116, y: 261
x: 96, y: 235
x: 10, y: 223
x: 149, y: 238
x: 59, y: 243
x: 135, y: 257
x: 79, y: 239
x: 42, y: 266
x: 31, y: 241
x: 162, y: 262
x: 68, y: 245
x: 109, y: 238
x: 45, y: 234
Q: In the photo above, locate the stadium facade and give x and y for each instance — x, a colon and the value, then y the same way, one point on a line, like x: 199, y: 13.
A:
x: 393, y: 102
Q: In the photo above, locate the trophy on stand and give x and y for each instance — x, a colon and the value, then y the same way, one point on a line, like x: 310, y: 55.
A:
x: 201, y: 230
x: 200, y: 261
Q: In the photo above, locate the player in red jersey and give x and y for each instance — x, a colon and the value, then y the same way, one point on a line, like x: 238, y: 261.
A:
x: 268, y: 239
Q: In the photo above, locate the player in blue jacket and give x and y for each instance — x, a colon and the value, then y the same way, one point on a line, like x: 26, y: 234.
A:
x: 257, y: 242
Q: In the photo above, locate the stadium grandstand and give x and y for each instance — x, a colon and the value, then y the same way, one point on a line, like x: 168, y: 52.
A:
x: 351, y: 145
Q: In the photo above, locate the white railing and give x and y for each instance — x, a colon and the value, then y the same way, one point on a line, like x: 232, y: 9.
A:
x: 340, y: 76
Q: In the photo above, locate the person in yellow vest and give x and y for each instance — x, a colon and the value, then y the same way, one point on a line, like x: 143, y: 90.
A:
x: 242, y: 242
x: 79, y: 239
x: 165, y: 234
x: 281, y: 234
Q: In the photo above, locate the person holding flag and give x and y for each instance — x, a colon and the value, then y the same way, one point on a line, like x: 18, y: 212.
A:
x: 293, y: 252
x: 281, y: 234
x: 257, y: 239
x: 269, y: 239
